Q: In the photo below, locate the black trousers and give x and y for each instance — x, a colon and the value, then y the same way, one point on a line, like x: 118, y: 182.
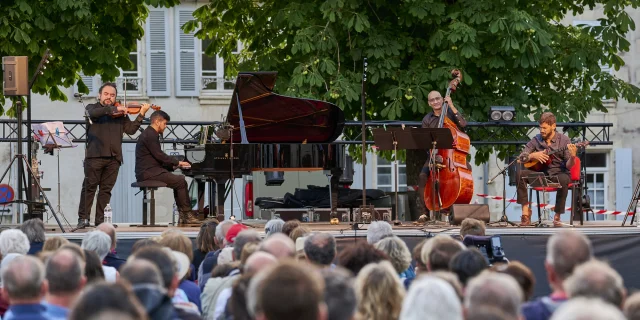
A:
x: 99, y: 174
x: 561, y: 195
x: 180, y: 189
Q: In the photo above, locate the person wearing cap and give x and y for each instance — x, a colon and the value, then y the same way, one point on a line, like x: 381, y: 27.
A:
x: 233, y: 232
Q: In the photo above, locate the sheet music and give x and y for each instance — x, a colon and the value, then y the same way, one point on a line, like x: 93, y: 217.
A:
x: 52, y: 135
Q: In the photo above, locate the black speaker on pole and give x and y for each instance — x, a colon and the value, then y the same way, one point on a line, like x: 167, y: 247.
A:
x: 513, y: 170
x: 460, y: 212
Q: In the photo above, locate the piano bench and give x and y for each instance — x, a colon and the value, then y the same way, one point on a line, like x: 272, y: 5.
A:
x: 145, y: 187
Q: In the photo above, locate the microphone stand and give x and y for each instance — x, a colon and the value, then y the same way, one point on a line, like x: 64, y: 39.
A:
x: 503, y: 172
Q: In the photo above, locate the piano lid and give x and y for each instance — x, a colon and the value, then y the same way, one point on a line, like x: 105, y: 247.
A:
x: 270, y: 117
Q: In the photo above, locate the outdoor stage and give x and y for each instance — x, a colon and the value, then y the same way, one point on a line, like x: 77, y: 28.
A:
x: 615, y: 244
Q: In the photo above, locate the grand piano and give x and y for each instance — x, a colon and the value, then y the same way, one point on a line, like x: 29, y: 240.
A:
x: 267, y: 132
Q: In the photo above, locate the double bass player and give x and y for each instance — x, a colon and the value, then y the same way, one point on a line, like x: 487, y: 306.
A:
x: 431, y: 120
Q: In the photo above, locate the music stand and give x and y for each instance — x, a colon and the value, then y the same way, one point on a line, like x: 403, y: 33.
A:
x: 412, y: 138
x: 53, y: 135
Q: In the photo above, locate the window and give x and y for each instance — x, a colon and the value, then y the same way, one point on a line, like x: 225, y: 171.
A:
x: 212, y: 77
x: 386, y: 177
x: 130, y: 81
x: 596, y: 181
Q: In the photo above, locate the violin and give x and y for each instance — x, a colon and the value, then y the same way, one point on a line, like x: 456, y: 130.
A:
x: 132, y: 108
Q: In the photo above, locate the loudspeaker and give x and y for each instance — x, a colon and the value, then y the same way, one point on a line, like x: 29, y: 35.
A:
x: 460, y: 212
x: 274, y: 178
x: 15, y: 76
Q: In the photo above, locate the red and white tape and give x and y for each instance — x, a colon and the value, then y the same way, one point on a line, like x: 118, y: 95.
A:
x: 548, y: 206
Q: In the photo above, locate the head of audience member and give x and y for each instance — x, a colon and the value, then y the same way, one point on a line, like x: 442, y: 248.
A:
x: 244, y: 237
x: 93, y: 270
x: 300, y: 248
x: 110, y: 230
x: 206, y: 239
x: 355, y: 257
x: 632, y: 307
x: 180, y: 243
x: 437, y: 241
x: 23, y: 281
x: 472, y: 227
x: 290, y: 225
x: 291, y: 282
x: 102, y: 297
x: 144, y: 243
x: 379, y: 291
x: 258, y: 261
x: 467, y: 264
x: 339, y: 293
x: 237, y: 303
x: 98, y: 242
x: 416, y: 253
x: 279, y: 246
x: 248, y: 250
x: 54, y: 243
x: 147, y: 284
x: 420, y: 303
x: 34, y: 229
x: 221, y: 232
x: 141, y: 271
x: 232, y: 233
x: 299, y: 232
x: 320, y: 248
x: 566, y: 250
x: 452, y: 279
x: 273, y: 226
x: 76, y: 249
x: 587, y: 309
x: 13, y: 241
x: 442, y: 253
x: 596, y: 279
x: 488, y: 313
x: 397, y: 251
x: 378, y: 230
x: 521, y: 273
x: 64, y: 272
x: 493, y: 289
x: 161, y: 259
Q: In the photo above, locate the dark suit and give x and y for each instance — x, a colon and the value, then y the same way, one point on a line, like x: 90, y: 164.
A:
x: 103, y: 157
x: 153, y: 164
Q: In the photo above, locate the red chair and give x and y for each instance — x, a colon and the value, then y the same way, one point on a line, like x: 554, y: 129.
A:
x: 574, y: 172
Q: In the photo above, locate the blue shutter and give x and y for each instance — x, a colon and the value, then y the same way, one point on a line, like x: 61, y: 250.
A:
x: 157, y: 37
x: 187, y: 79
x: 624, y: 177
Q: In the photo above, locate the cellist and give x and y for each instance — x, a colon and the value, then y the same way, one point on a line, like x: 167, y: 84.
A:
x: 436, y: 101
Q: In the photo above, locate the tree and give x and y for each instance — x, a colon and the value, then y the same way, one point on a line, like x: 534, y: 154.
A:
x: 510, y: 52
x: 89, y: 36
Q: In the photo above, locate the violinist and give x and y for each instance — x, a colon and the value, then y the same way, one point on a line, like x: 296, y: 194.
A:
x: 559, y: 166
x: 152, y: 164
x: 103, y: 155
x: 436, y: 101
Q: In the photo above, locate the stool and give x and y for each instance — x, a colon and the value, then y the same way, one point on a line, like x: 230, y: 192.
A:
x: 145, y: 187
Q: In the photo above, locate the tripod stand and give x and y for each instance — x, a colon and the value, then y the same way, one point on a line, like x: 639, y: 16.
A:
x: 22, y: 161
x: 503, y: 172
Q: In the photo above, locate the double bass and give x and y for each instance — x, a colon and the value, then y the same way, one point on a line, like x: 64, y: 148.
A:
x: 450, y: 180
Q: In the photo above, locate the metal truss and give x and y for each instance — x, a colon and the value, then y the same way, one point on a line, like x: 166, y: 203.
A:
x: 481, y: 133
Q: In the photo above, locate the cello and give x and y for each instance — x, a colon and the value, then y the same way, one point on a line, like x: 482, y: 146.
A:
x: 450, y: 180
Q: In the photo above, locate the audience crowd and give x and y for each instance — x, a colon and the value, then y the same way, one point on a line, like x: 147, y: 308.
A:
x: 234, y: 272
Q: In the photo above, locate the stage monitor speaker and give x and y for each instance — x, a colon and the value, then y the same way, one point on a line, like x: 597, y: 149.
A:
x: 460, y: 212
x: 15, y: 72
x: 274, y: 178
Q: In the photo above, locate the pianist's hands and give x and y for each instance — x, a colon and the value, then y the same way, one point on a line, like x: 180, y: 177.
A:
x: 184, y: 165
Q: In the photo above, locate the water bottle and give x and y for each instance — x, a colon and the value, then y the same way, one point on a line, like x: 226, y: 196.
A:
x: 108, y: 214
x: 175, y: 213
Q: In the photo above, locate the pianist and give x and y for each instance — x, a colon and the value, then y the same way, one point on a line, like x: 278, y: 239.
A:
x: 153, y: 164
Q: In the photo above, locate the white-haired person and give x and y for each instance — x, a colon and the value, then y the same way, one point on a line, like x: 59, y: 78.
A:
x: 100, y: 243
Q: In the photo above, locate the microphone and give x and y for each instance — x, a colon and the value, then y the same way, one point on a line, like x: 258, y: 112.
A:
x: 174, y: 144
x: 78, y: 95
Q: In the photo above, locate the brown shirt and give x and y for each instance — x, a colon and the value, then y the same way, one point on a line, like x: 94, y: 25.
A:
x: 559, y: 160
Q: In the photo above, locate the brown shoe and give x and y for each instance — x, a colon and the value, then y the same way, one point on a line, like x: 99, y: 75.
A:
x: 188, y: 218
x: 525, y: 221
x: 556, y: 220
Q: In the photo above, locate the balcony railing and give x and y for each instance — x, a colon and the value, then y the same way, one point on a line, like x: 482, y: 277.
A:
x: 132, y: 86
x: 211, y: 84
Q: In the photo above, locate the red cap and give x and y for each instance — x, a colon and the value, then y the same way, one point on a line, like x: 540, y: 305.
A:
x: 233, y: 232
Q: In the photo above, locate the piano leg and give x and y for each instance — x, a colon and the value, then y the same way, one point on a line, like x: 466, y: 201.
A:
x: 335, y: 184
x: 200, y: 184
x: 220, y: 190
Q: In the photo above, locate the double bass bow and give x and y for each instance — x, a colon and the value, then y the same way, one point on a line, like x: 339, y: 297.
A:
x: 450, y: 180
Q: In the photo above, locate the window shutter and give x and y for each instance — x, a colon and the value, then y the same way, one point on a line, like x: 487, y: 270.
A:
x: 624, y: 177
x: 158, y: 53
x: 187, y: 70
x: 92, y: 83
